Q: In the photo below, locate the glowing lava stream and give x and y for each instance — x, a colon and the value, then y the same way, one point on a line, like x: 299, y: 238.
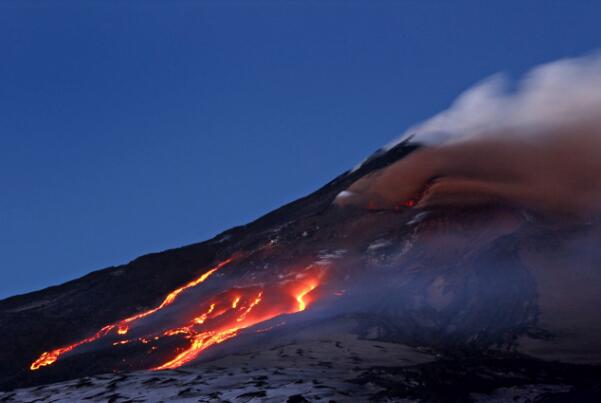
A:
x: 219, y: 318
x: 49, y: 357
x: 250, y: 306
x: 300, y: 298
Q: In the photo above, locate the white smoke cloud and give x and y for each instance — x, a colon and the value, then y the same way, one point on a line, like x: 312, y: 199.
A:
x: 560, y: 93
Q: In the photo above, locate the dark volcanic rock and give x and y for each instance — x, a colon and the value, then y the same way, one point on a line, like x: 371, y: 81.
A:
x: 491, y: 291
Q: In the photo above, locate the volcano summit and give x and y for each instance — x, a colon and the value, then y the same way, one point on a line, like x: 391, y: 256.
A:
x: 461, y: 270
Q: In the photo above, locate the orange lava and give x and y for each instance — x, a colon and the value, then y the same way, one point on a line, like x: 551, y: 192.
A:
x: 235, y: 302
x: 300, y: 298
x: 223, y: 321
x: 49, y: 357
x: 219, y: 318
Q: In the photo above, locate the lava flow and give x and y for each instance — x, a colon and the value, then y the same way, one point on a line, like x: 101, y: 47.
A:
x: 240, y: 308
x: 220, y: 317
x: 122, y: 327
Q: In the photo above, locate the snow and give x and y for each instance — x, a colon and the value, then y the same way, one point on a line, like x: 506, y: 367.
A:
x: 317, y: 369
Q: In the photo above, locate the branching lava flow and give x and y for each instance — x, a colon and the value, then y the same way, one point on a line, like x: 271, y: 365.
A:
x: 220, y: 318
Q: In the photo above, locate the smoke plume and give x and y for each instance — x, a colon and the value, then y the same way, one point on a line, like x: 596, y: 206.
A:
x: 538, y: 147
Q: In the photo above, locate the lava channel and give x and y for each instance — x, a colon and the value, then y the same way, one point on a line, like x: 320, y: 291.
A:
x: 220, y: 317
x: 122, y: 327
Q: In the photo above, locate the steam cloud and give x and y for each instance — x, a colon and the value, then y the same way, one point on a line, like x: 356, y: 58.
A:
x: 538, y: 146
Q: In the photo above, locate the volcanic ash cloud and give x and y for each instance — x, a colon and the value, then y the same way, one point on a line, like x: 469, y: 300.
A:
x: 538, y: 147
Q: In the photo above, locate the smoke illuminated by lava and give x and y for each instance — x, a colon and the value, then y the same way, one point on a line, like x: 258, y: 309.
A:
x: 220, y: 318
x: 538, y: 147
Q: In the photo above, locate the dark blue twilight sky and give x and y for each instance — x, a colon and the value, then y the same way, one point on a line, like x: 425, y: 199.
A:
x: 133, y: 127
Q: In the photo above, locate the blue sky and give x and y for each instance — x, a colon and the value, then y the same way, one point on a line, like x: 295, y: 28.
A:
x: 134, y: 127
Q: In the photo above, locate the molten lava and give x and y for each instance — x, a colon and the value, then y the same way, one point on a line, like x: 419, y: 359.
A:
x: 252, y: 305
x: 300, y: 298
x: 122, y: 326
x: 217, y: 319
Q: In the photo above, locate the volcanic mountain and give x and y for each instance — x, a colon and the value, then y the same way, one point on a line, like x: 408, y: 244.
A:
x: 475, y: 301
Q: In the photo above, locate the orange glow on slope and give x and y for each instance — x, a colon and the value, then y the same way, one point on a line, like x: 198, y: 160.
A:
x: 217, y: 319
x: 255, y: 305
x: 235, y: 302
x: 300, y: 298
x: 250, y: 307
x: 174, y: 294
x: 49, y: 357
x: 201, y: 319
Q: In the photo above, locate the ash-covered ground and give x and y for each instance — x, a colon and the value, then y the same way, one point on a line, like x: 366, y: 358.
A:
x: 334, y: 365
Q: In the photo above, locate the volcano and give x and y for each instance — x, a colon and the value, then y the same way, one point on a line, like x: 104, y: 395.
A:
x: 463, y: 302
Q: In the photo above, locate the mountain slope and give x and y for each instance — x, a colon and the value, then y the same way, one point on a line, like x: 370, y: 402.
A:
x: 490, y: 286
x: 42, y: 320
